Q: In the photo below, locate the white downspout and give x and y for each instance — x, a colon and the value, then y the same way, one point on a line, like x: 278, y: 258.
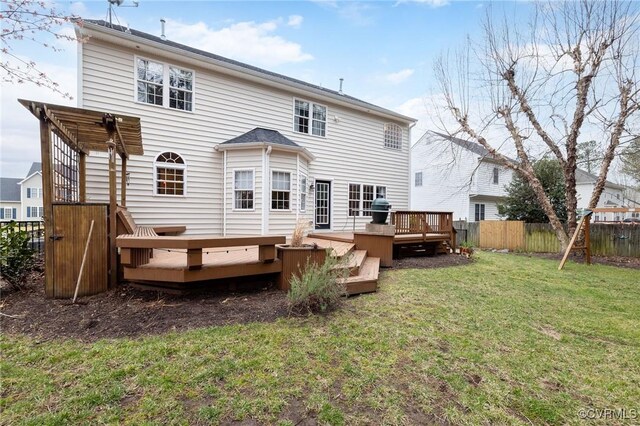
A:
x: 298, y: 188
x: 410, y: 165
x: 224, y: 193
x: 265, y: 190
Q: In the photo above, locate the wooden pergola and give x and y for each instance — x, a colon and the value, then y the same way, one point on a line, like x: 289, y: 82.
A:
x: 67, y: 136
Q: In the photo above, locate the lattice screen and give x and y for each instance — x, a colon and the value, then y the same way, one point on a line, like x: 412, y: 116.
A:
x: 65, y: 171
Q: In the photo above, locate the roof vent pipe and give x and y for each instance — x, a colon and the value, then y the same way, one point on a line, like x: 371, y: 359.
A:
x: 162, y: 36
x: 340, y: 91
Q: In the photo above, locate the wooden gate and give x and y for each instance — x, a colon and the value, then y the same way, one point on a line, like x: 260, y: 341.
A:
x: 71, y: 223
x: 502, y: 234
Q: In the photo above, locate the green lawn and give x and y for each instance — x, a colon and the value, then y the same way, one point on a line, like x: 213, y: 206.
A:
x: 506, y: 340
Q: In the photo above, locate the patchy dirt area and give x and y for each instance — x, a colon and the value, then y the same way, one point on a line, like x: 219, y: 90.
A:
x: 624, y: 262
x: 131, y: 312
x: 437, y: 261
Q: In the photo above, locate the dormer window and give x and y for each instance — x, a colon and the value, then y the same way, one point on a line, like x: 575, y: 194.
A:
x: 392, y: 136
x: 164, y: 85
x: 310, y: 118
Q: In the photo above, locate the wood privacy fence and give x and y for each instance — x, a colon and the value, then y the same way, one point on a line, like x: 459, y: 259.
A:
x: 607, y: 239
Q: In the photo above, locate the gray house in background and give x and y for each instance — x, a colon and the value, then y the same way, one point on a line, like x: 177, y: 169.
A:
x: 21, y: 198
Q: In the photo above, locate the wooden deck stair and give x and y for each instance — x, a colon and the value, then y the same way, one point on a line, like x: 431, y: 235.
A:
x: 363, y: 270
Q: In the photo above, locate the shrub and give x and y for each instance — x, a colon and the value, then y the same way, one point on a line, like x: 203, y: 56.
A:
x: 17, y: 257
x: 319, y: 288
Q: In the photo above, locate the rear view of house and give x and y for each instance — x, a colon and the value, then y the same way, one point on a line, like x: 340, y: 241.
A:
x: 232, y: 149
x: 451, y: 174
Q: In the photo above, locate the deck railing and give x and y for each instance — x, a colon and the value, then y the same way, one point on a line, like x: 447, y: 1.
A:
x: 422, y: 222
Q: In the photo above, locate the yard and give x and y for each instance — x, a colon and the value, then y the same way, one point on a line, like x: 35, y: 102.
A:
x: 507, y: 340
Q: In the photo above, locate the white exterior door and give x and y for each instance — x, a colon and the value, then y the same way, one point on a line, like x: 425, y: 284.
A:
x: 323, y: 204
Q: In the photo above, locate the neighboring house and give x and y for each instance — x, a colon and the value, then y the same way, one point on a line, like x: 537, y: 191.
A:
x: 233, y: 149
x: 454, y: 175
x: 21, y: 199
x: 613, y: 195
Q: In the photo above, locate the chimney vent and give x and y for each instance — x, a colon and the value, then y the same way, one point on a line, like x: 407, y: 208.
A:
x: 162, y: 36
x: 340, y: 91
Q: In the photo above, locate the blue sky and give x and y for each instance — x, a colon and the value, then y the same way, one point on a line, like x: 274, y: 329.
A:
x: 384, y: 50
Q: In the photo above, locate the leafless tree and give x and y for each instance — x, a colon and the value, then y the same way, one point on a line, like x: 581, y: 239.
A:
x: 530, y: 90
x: 29, y: 20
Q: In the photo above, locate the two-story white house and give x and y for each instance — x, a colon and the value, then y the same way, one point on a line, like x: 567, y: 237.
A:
x: 451, y: 174
x: 233, y: 149
x: 21, y: 198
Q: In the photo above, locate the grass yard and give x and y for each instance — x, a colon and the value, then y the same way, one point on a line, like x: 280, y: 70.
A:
x: 506, y: 340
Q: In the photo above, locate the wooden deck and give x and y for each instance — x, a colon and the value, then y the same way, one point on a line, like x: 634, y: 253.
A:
x: 225, y: 262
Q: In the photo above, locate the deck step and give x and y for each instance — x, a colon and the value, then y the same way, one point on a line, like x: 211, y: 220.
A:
x: 367, y: 280
x: 344, y: 237
x: 339, y: 248
x: 354, y: 262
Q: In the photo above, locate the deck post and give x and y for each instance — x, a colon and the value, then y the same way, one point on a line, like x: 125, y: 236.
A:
x: 267, y: 254
x: 113, y: 205
x: 47, y: 195
x: 123, y: 182
x: 194, y: 259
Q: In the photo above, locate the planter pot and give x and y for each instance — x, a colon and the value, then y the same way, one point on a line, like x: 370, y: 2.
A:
x: 294, y: 261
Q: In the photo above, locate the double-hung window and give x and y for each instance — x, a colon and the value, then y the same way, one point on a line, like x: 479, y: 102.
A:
x: 303, y: 193
x: 243, y: 188
x: 34, y: 192
x: 310, y: 118
x: 479, y: 212
x: 361, y: 198
x: 280, y: 190
x: 164, y: 85
x: 8, y: 213
x: 496, y: 175
x: 170, y: 173
x: 418, y: 179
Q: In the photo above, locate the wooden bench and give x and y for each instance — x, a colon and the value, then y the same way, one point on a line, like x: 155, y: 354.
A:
x: 126, y: 225
x: 133, y: 248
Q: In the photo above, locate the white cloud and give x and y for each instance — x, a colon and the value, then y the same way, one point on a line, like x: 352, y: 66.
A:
x: 400, y: 76
x: 432, y: 3
x: 295, y: 21
x: 251, y: 42
x: 356, y: 13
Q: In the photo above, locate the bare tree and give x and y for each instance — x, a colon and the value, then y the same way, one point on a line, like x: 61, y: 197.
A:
x: 29, y: 20
x: 533, y: 89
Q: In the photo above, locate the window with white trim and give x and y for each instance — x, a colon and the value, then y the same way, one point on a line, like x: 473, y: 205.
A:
x: 496, y: 175
x: 361, y: 198
x: 418, y: 179
x: 151, y: 79
x: 354, y: 199
x: 479, y: 212
x: 303, y: 193
x: 170, y: 174
x: 243, y: 189
x: 310, y: 118
x: 392, y: 136
x: 280, y: 190
x: 8, y: 213
x: 34, y: 192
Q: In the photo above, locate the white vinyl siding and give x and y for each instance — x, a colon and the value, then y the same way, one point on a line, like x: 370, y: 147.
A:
x: 225, y: 107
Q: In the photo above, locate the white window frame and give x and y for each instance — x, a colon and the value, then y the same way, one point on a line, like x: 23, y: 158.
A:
x: 279, y: 190
x: 32, y: 190
x: 10, y: 215
x: 166, y: 84
x: 360, y: 212
x: 394, y: 130
x: 253, y: 189
x: 479, y: 212
x: 310, y: 118
x: 417, y: 182
x: 496, y: 176
x: 171, y: 166
x: 302, y: 191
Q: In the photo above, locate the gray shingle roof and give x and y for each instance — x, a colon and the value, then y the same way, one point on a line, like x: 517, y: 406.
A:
x: 215, y: 57
x: 471, y: 146
x: 35, y: 167
x: 262, y: 135
x: 9, y: 189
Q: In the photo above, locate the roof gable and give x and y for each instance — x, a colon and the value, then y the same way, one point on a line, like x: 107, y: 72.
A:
x: 35, y: 167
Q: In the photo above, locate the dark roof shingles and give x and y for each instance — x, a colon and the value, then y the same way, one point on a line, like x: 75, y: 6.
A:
x: 262, y: 135
x: 9, y: 189
x: 35, y: 167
